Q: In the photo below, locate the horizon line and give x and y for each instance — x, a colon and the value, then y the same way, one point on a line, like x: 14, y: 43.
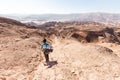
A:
x: 56, y: 13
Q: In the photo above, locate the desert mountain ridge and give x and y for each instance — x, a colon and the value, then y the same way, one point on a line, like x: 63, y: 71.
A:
x: 106, y: 18
x: 81, y: 51
x: 10, y: 21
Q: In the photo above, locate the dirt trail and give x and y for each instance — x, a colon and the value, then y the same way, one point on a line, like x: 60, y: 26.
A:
x: 70, y: 60
x: 51, y: 72
x: 78, y: 61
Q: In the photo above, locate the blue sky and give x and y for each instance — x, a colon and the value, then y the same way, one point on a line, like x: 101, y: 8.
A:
x: 58, y: 6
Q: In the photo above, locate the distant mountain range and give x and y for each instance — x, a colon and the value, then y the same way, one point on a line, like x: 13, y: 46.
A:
x: 95, y: 17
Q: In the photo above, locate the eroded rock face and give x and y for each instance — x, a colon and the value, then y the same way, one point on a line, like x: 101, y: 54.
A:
x: 110, y: 35
x: 106, y: 35
x: 22, y: 59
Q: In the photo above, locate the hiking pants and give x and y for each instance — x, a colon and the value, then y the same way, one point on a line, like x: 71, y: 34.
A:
x: 46, y: 57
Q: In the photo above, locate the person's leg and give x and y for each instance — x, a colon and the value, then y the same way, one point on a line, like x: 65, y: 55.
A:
x: 47, y: 57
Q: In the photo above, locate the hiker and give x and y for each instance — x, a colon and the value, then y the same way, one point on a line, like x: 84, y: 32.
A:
x: 46, y: 48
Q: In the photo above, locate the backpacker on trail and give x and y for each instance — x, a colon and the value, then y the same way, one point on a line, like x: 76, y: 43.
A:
x: 46, y: 48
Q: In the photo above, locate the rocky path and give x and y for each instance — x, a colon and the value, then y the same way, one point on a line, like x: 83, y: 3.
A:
x: 72, y: 60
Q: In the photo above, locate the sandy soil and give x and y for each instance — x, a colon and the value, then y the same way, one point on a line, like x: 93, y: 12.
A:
x: 78, y: 61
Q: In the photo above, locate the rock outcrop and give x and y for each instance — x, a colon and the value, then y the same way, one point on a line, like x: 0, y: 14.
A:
x: 22, y: 59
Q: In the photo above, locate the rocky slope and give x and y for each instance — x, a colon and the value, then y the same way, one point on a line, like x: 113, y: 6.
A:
x: 10, y: 21
x: 73, y: 58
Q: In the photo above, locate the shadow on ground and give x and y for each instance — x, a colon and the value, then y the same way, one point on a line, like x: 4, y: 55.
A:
x: 52, y: 63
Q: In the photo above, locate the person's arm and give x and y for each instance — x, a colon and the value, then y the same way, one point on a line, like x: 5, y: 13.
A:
x: 41, y: 46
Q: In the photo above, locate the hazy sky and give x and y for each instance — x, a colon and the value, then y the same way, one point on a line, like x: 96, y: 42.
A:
x: 58, y: 6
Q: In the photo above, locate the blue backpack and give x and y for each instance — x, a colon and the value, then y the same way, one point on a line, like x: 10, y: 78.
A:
x: 47, y: 48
